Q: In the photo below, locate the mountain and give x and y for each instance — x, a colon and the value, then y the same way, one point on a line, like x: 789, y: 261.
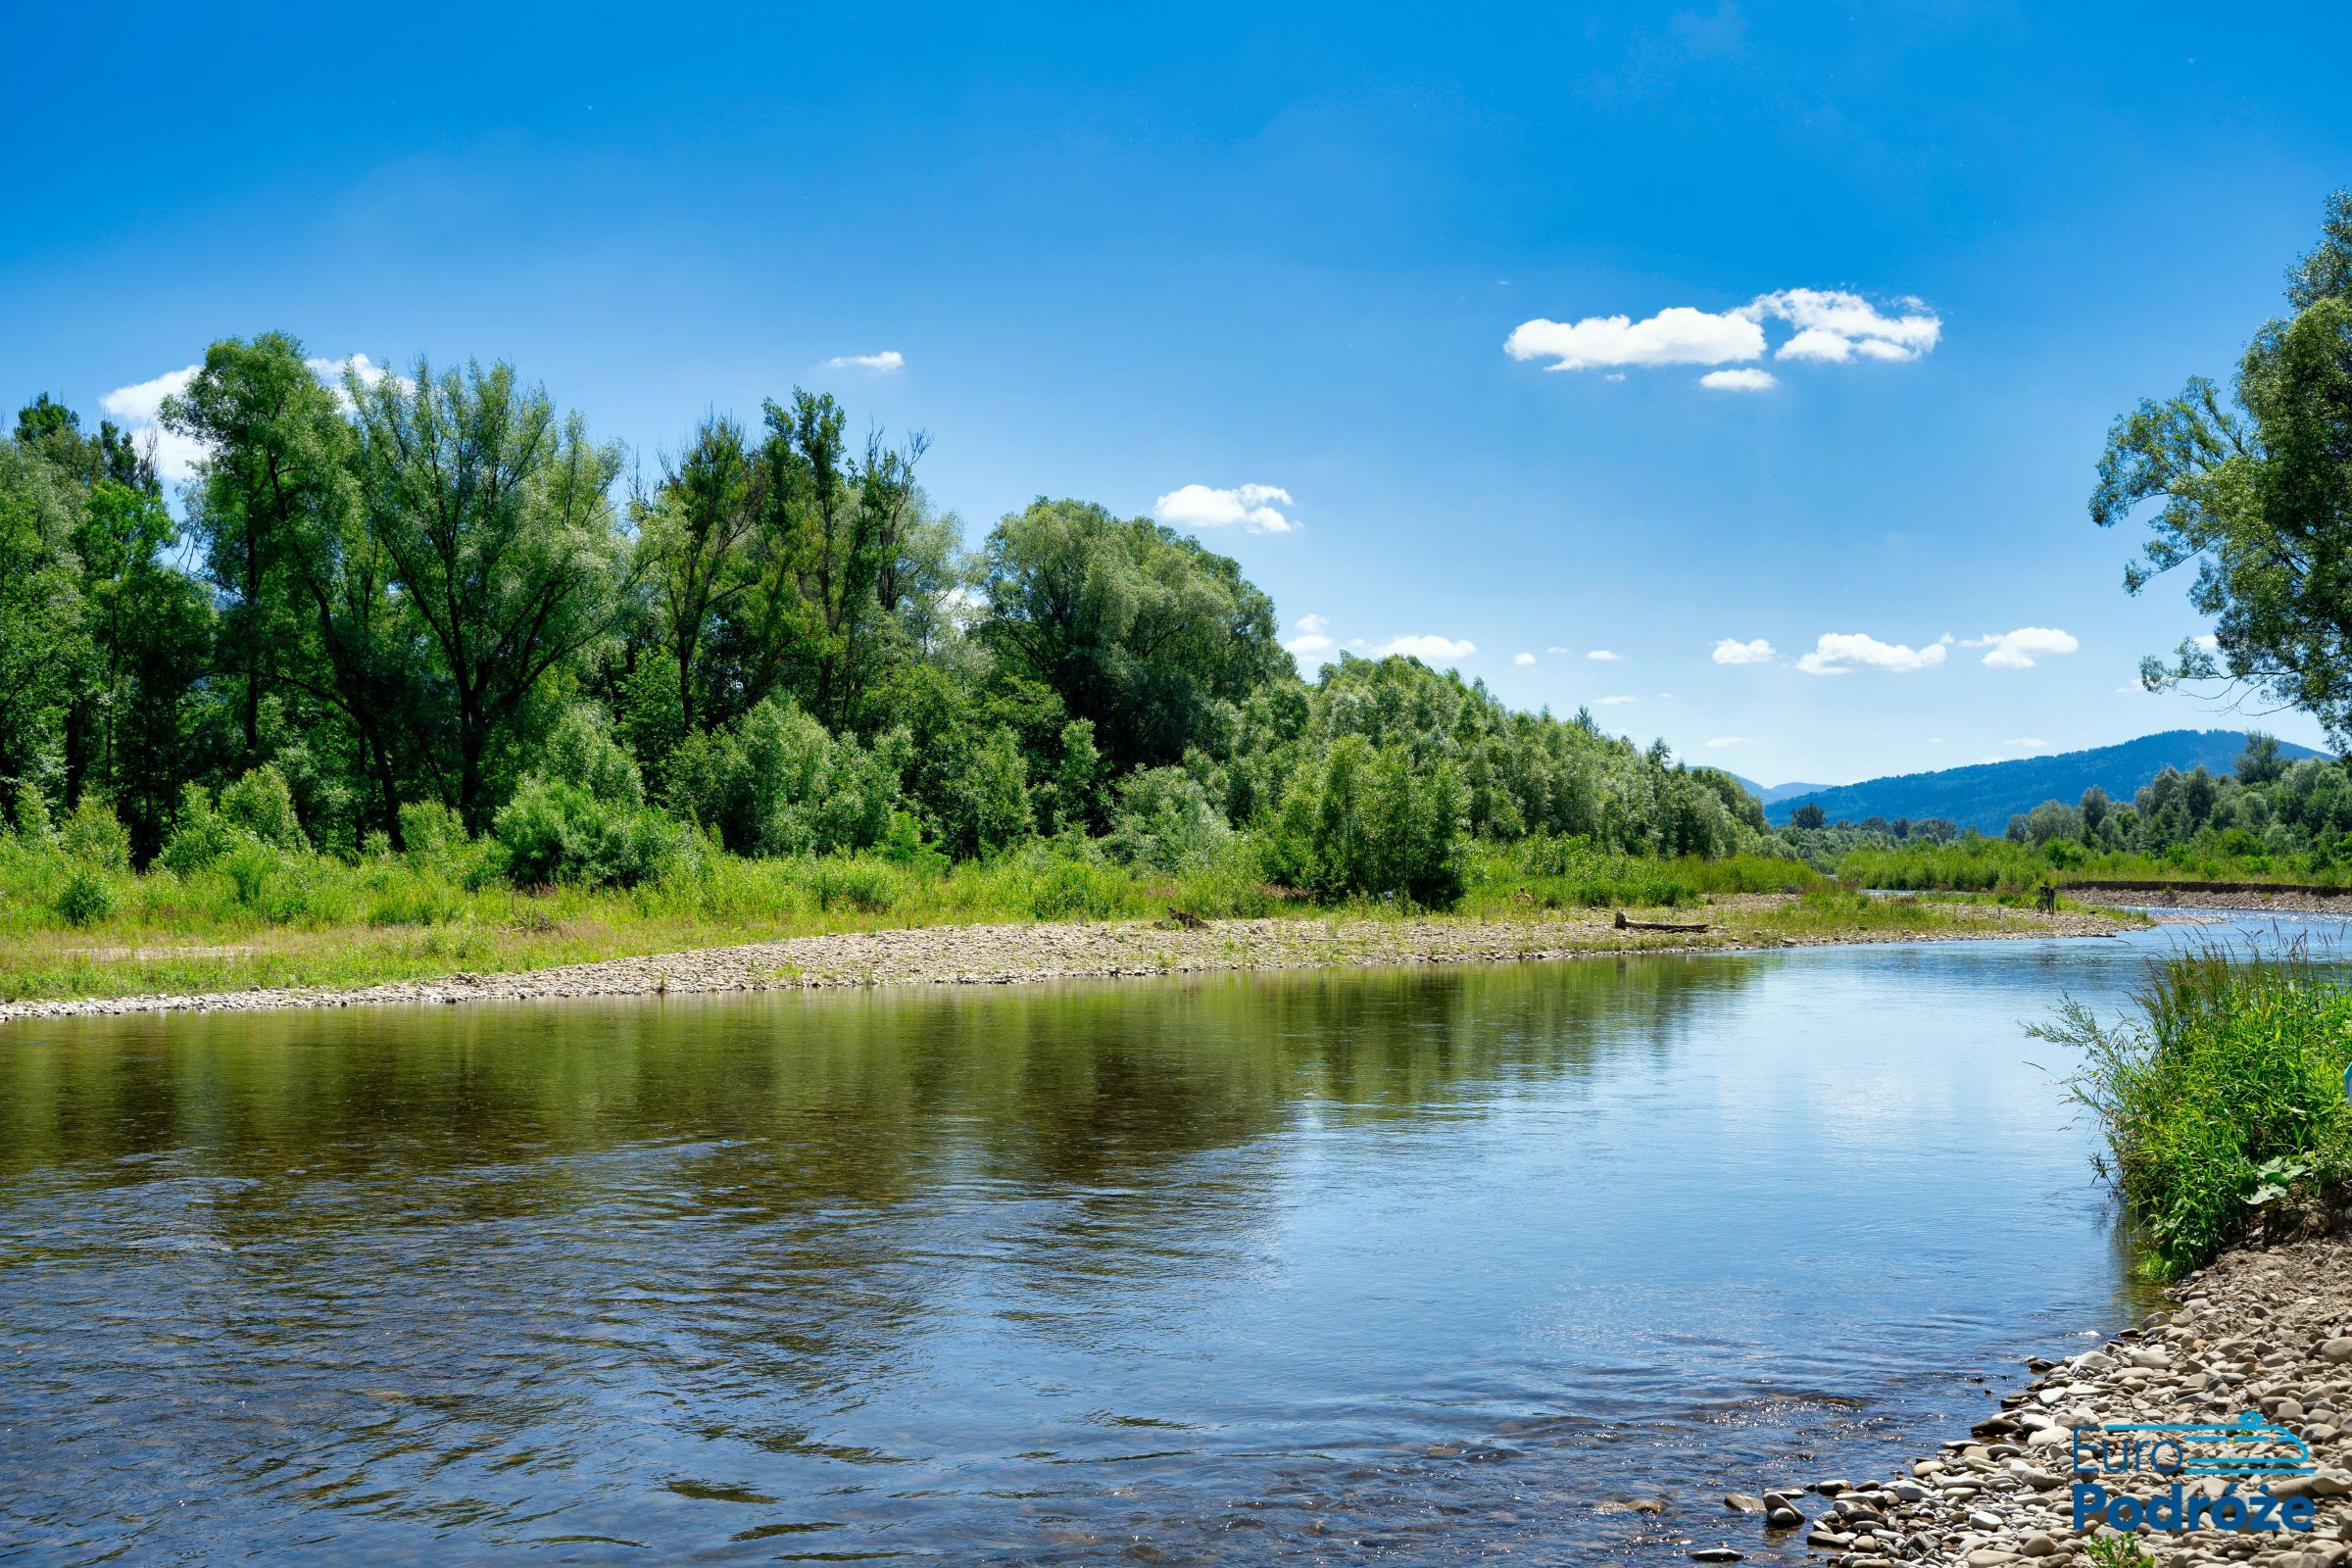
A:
x: 1984, y: 797
x: 1769, y: 794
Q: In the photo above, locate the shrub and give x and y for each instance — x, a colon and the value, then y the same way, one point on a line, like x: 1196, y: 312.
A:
x: 87, y: 898
x: 1372, y: 823
x: 262, y: 803
x: 95, y: 835
x: 553, y: 831
x: 33, y: 826
x: 201, y: 837
x: 778, y: 783
x: 1165, y: 820
x: 2224, y: 1096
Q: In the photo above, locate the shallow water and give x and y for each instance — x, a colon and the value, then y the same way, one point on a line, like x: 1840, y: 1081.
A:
x: 1392, y: 1267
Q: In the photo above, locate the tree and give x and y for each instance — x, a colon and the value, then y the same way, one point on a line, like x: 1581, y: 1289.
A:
x: 2258, y: 495
x: 2260, y: 763
x: 44, y: 640
x: 1809, y: 818
x: 496, y: 518
x: 1138, y: 629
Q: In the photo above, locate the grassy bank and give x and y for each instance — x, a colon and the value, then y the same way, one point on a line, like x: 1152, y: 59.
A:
x: 75, y: 924
x: 2223, y: 1098
x: 1982, y: 864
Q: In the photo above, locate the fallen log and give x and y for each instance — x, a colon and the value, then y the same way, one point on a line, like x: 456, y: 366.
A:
x: 1623, y: 924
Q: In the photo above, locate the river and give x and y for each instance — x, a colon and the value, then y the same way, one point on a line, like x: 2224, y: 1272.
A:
x: 1428, y: 1266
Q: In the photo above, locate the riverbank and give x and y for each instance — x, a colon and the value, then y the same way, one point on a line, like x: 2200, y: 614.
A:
x: 2241, y: 896
x: 1011, y: 954
x: 2260, y: 1330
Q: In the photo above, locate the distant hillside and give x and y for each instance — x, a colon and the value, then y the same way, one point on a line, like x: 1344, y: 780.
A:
x: 1984, y: 797
x: 1771, y: 792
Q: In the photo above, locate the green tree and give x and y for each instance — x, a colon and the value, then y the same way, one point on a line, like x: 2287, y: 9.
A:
x: 44, y: 640
x: 2257, y: 491
x: 1138, y: 629
x: 496, y: 519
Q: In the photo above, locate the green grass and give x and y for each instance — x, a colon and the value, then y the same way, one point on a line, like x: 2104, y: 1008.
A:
x: 2223, y: 1098
x: 259, y: 917
x: 1986, y: 864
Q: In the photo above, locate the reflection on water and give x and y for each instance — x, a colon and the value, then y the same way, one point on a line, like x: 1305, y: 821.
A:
x: 1396, y: 1268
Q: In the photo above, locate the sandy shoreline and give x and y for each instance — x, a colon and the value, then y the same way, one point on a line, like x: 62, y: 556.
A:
x: 1015, y: 955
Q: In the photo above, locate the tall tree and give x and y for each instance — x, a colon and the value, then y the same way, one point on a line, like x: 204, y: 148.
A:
x: 2257, y: 491
x: 1138, y: 628
x: 497, y: 519
x: 44, y: 644
x: 275, y: 474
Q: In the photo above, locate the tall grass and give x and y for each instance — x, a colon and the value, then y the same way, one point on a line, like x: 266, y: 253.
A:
x: 1573, y: 873
x: 1982, y: 864
x: 2223, y: 1098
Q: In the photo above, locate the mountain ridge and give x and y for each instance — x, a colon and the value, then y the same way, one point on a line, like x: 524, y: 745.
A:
x: 1985, y: 794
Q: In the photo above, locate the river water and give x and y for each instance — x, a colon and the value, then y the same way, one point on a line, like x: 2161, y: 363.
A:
x: 1379, y: 1267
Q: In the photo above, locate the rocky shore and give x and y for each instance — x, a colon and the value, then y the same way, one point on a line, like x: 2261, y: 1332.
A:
x: 1012, y: 955
x: 2266, y: 1331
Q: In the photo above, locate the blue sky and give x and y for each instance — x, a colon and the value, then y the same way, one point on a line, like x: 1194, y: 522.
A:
x: 1118, y: 252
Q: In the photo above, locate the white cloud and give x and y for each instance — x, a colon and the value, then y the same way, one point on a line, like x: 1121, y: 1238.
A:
x: 2209, y: 643
x: 1311, y: 622
x: 1428, y: 649
x: 1197, y: 506
x: 1313, y: 642
x: 2028, y: 743
x: 1935, y: 740
x: 1836, y: 653
x: 1676, y: 335
x: 140, y: 408
x: 2017, y: 649
x: 1720, y: 740
x: 1613, y: 702
x: 1597, y: 655
x: 1829, y: 326
x: 1732, y: 651
x: 1523, y: 659
x: 884, y: 363
x: 1832, y: 325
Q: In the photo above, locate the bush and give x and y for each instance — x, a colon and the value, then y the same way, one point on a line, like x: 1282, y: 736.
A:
x: 33, y: 826
x: 95, y: 835
x: 1165, y: 820
x: 779, y: 784
x: 841, y: 882
x: 202, y: 836
x: 262, y: 803
x: 1373, y: 823
x: 87, y: 898
x: 2223, y: 1099
x: 553, y: 831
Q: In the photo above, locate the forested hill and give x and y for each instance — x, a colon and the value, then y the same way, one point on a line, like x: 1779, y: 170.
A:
x: 1984, y: 797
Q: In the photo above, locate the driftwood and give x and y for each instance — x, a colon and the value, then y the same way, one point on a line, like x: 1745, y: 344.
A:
x: 1187, y: 920
x: 1623, y: 924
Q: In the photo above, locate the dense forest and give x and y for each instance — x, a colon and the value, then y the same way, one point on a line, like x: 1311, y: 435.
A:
x: 396, y: 613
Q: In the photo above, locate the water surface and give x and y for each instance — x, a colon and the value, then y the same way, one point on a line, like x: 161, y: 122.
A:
x: 1388, y: 1267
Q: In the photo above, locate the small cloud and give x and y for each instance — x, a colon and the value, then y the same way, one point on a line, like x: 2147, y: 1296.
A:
x: 1311, y: 622
x: 1838, y: 653
x: 1720, y: 740
x: 2017, y: 649
x: 2209, y: 642
x: 1597, y: 655
x: 2027, y: 743
x: 1613, y: 702
x: 1739, y: 381
x: 1313, y: 642
x: 1676, y: 335
x: 882, y: 363
x: 1732, y: 651
x: 1428, y: 649
x: 1523, y: 659
x: 1834, y: 325
x: 1935, y: 740
x: 1198, y: 505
